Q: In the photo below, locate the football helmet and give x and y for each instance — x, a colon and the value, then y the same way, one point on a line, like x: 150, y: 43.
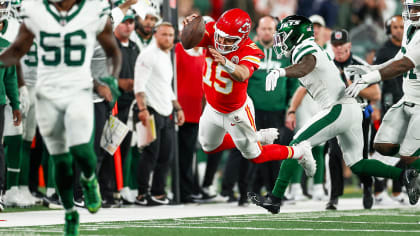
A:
x: 291, y: 31
x: 411, y: 12
x: 5, y: 9
x: 234, y: 26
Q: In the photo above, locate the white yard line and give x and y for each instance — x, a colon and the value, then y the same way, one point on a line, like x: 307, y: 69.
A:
x: 41, y: 218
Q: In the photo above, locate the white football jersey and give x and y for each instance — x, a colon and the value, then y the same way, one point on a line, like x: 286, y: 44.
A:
x: 324, y: 83
x: 65, y: 41
x: 410, y: 48
x: 29, y: 64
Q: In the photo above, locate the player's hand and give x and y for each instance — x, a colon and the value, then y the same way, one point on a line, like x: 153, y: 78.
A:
x: 17, y: 117
x: 144, y: 116
x: 358, y: 85
x: 189, y: 18
x: 180, y: 117
x: 219, y: 58
x: 104, y: 92
x: 271, y: 80
x: 354, y: 70
x: 24, y: 100
x: 290, y: 122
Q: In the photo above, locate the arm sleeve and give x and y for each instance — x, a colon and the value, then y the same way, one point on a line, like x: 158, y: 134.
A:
x: 142, y: 73
x: 11, y: 86
x: 117, y: 16
x: 104, y: 12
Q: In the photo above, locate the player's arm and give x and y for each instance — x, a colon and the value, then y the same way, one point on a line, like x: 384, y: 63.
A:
x: 238, y: 72
x: 21, y: 45
x: 396, y: 68
x: 305, y: 66
x: 107, y: 40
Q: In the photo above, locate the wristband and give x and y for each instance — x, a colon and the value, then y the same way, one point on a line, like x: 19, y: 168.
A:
x: 372, y: 77
x: 282, y: 72
x: 178, y: 109
x: 229, y: 66
x: 291, y: 112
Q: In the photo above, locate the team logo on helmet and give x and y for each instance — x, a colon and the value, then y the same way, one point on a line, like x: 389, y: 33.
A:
x: 245, y: 28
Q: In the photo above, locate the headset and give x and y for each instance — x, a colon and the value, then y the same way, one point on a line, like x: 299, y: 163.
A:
x: 389, y: 22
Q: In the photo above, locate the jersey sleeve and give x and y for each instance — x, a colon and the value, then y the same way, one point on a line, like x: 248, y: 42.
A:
x: 252, y: 58
x: 208, y: 36
x: 104, y: 11
x: 412, y: 51
x: 25, y: 11
x: 301, y: 51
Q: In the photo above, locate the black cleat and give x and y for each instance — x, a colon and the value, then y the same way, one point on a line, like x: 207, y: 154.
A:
x: 269, y: 202
x: 367, y: 197
x: 409, y: 178
x: 332, y: 204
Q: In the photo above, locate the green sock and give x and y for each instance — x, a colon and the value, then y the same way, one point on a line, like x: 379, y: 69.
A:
x: 24, y: 164
x: 376, y: 168
x: 85, y: 157
x: 318, y: 153
x: 287, y: 169
x: 63, y: 165
x: 127, y: 169
x: 134, y: 165
x: 415, y: 165
x: 297, y: 175
x: 13, y: 154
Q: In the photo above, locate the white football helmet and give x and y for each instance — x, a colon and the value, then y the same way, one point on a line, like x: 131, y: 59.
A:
x: 411, y: 12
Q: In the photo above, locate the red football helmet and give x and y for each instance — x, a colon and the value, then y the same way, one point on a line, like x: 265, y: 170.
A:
x: 231, y: 31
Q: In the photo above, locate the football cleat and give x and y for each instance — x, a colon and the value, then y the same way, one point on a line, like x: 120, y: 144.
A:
x: 267, y: 136
x: 332, y: 204
x: 318, y: 193
x: 367, y: 197
x: 269, y: 202
x: 71, y: 226
x: 91, y: 193
x: 13, y: 198
x: 409, y: 178
x: 307, y: 161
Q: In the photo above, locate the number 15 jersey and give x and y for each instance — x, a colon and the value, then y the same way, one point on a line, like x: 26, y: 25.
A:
x: 222, y: 92
x: 65, y: 41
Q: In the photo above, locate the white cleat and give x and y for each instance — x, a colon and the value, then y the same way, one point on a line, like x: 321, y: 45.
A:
x: 267, y: 136
x: 402, y: 198
x: 307, y: 161
x: 296, y: 193
x: 24, y: 191
x: 127, y: 196
x: 318, y: 193
x: 13, y: 198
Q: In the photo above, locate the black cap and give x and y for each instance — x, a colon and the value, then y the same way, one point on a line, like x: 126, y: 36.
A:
x: 339, y: 36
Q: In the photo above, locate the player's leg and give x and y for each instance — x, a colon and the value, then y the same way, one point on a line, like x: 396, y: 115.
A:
x: 323, y: 126
x: 352, y: 147
x: 211, y: 133
x: 409, y: 149
x: 13, y: 153
x: 78, y: 122
x: 241, y: 126
x: 29, y: 130
x: 392, y: 130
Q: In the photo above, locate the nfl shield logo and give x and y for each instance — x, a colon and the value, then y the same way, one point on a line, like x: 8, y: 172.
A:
x: 338, y: 35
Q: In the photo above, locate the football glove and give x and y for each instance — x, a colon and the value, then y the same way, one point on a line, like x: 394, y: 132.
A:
x: 354, y: 70
x: 271, y: 79
x: 112, y: 83
x: 24, y: 100
x: 363, y: 82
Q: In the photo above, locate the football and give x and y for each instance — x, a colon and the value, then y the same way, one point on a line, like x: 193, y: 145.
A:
x: 193, y: 32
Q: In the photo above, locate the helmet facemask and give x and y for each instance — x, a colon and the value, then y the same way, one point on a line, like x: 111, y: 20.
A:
x: 280, y: 45
x: 225, y: 48
x: 411, y: 12
x: 5, y: 9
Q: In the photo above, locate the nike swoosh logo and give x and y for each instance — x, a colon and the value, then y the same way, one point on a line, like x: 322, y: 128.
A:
x: 232, y: 124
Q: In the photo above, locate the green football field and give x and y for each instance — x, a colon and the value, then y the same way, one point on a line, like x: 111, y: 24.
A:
x: 346, y: 222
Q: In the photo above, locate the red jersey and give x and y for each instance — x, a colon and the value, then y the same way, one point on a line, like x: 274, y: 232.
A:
x: 222, y: 92
x: 189, y: 71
